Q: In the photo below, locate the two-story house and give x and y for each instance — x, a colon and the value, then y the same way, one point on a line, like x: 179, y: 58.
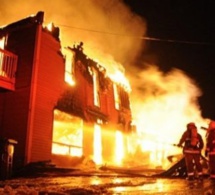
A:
x: 59, y: 107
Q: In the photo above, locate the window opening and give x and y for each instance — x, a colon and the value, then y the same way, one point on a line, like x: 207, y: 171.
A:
x: 67, y: 134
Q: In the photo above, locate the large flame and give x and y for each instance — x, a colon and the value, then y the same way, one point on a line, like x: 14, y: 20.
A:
x: 162, y: 104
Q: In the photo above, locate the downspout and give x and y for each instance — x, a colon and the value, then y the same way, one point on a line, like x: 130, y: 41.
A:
x: 33, y: 89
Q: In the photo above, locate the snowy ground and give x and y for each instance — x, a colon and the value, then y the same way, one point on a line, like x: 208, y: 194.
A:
x: 79, y: 183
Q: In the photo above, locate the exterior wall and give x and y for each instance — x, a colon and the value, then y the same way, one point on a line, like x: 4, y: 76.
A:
x: 26, y: 114
x: 16, y: 104
x: 49, y: 85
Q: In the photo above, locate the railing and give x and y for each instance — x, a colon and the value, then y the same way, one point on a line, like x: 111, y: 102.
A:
x: 8, y: 65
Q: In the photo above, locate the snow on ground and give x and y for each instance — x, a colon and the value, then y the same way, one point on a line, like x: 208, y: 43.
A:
x: 66, y: 185
x: 104, y: 185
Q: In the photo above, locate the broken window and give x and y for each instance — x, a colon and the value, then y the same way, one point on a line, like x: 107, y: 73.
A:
x: 2, y: 42
x: 67, y: 134
x: 116, y: 96
x: 69, y: 61
x: 96, y: 88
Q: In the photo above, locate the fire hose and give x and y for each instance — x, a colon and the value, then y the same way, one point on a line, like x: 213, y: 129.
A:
x: 204, y: 128
x: 170, y: 158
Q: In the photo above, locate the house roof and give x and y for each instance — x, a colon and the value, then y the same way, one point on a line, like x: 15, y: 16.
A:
x: 38, y: 19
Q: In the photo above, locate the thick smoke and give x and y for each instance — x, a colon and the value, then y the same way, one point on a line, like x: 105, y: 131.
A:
x: 163, y: 103
x: 107, y: 28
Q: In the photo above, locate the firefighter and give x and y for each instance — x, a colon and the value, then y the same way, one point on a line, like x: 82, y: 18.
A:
x: 210, y: 148
x: 192, y: 144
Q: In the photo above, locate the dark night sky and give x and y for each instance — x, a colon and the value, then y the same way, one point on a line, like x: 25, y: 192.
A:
x: 183, y: 21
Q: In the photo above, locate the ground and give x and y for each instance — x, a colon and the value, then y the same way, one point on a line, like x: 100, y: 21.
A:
x: 103, y: 182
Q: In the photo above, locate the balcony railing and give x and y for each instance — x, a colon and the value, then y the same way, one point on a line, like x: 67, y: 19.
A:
x: 8, y: 65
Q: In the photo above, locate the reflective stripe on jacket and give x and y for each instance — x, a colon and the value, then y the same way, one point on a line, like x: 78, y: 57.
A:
x: 192, y: 151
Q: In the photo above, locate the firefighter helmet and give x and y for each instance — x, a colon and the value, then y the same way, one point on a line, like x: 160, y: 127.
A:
x: 191, y: 124
x: 211, y: 125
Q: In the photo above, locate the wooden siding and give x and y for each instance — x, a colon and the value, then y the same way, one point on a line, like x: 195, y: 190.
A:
x: 16, y: 104
x: 49, y: 87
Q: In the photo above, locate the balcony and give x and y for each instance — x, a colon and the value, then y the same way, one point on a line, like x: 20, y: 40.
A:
x: 8, y: 65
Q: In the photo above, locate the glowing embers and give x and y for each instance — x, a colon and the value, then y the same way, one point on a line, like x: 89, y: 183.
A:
x: 67, y: 134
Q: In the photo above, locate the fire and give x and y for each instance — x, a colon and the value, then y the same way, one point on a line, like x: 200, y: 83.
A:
x: 50, y: 26
x: 119, y: 148
x: 162, y: 109
x: 119, y: 77
x: 2, y: 42
x: 69, y: 78
x: 115, y: 71
x: 97, y: 145
x: 162, y: 104
x: 67, y: 134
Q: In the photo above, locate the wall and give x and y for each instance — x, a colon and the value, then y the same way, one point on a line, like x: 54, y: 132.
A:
x: 48, y: 89
x: 16, y: 104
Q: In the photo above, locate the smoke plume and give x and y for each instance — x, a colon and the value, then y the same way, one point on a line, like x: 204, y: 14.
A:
x: 107, y: 28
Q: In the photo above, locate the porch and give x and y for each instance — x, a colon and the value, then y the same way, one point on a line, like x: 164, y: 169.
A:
x: 8, y: 65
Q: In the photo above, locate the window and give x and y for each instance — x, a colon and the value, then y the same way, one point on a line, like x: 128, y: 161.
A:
x: 69, y: 77
x: 3, y: 41
x: 116, y: 96
x: 2, y: 44
x: 97, y: 157
x: 67, y: 134
x: 96, y: 88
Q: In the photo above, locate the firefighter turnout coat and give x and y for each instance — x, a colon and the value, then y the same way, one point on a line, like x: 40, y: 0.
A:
x: 192, y: 146
x: 210, y: 149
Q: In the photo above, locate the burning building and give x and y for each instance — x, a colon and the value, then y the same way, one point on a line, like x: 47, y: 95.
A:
x: 59, y: 108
